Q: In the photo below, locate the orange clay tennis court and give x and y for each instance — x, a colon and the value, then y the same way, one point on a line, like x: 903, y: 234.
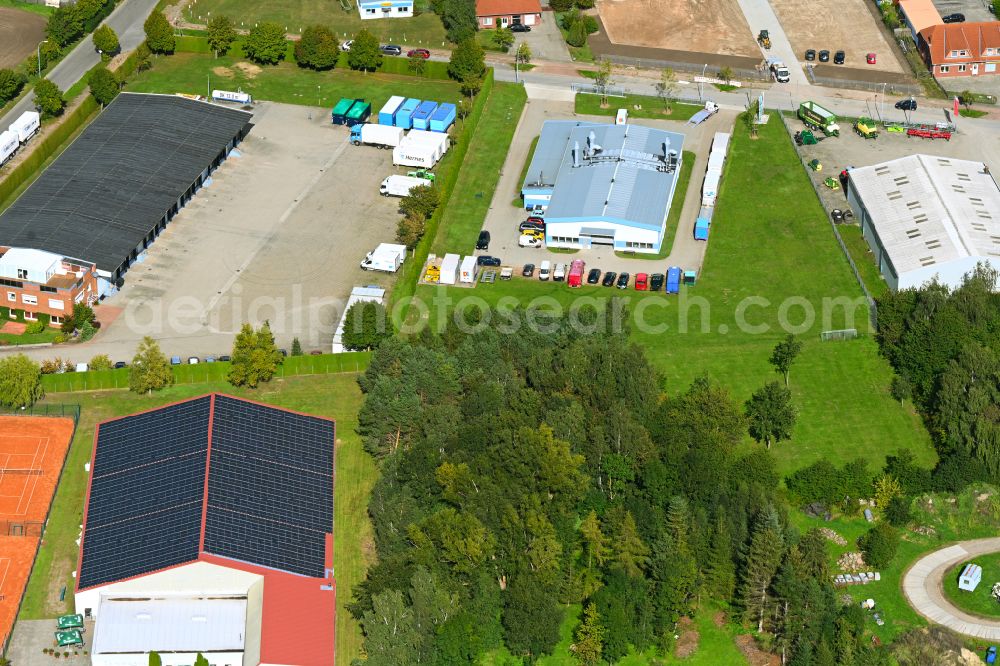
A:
x: 32, y: 451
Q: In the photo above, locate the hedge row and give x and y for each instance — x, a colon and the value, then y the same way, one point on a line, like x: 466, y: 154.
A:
x: 206, y: 372
x: 406, y: 283
x: 390, y: 65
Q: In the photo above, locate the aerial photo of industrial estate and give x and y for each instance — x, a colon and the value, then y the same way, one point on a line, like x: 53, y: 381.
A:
x: 499, y: 332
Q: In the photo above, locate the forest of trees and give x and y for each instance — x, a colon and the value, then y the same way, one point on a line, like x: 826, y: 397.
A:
x: 523, y: 472
x: 944, y: 346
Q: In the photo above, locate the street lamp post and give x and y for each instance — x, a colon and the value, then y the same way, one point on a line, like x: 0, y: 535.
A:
x: 38, y: 56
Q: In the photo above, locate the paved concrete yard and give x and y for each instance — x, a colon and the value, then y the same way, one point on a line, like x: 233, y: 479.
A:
x: 276, y: 236
x: 30, y: 637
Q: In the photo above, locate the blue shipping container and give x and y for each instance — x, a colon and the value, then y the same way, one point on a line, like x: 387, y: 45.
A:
x: 387, y: 114
x: 701, y: 229
x: 422, y: 116
x: 403, y: 115
x: 443, y: 118
x: 673, y: 280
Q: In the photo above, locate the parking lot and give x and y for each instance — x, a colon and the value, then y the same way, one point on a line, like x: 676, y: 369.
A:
x: 974, y: 10
x: 277, y: 236
x: 503, y: 217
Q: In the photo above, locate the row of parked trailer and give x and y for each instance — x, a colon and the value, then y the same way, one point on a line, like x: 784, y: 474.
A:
x: 412, y: 113
x: 18, y: 134
x: 417, y: 148
x: 710, y: 188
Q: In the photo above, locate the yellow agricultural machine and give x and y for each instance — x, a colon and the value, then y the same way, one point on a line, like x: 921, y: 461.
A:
x: 764, y: 39
x: 866, y: 127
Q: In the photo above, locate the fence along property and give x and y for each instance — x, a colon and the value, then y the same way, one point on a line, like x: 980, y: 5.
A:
x: 98, y: 380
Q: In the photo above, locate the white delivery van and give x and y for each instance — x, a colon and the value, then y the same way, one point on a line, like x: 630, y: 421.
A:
x: 545, y: 271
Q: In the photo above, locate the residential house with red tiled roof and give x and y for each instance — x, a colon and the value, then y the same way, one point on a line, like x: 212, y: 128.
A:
x: 961, y: 49
x: 505, y: 13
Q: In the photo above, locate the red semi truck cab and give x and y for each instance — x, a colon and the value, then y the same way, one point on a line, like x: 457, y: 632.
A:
x: 575, y: 277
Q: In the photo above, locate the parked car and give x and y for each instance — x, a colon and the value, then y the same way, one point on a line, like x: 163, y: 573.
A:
x: 641, y: 282
x: 838, y: 58
x: 528, y: 225
x: 656, y: 282
x: 486, y: 260
x: 175, y: 360
x: 283, y: 352
x: 529, y: 240
x: 316, y: 352
x: 418, y: 53
x: 520, y: 27
x: 484, y: 240
x: 545, y: 271
x: 346, y: 46
x: 810, y: 54
x: 559, y: 273
x: 594, y: 276
x: 528, y: 270
x: 954, y: 18
x: 871, y: 58
x: 120, y: 364
x: 193, y: 360
x: 824, y: 56
x: 622, y: 281
x: 391, y: 50
x: 609, y: 279
x: 537, y: 220
x: 225, y: 358
x: 907, y: 104
x: 209, y: 359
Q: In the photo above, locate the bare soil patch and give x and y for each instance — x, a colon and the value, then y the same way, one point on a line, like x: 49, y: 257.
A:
x: 719, y: 619
x: 706, y: 26
x: 20, y: 33
x: 224, y: 72
x: 754, y: 655
x: 835, y: 25
x: 687, y: 644
x: 249, y: 69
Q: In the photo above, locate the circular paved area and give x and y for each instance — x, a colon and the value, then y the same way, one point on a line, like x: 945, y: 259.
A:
x: 922, y: 587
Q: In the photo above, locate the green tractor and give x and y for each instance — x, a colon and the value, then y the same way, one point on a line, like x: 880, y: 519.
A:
x: 421, y: 173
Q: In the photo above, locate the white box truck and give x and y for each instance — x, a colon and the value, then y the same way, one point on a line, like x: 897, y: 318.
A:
x: 420, y: 149
x: 467, y: 272
x: 400, y: 186
x: 8, y: 146
x: 449, y: 269
x: 381, y: 136
x: 26, y: 126
x: 239, y: 97
x: 386, y: 257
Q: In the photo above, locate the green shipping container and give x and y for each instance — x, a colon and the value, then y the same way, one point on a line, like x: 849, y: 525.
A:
x: 359, y: 113
x: 339, y: 113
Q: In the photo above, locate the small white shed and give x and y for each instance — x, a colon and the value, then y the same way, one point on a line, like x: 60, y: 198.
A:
x: 970, y: 577
x: 449, y: 269
x: 467, y: 273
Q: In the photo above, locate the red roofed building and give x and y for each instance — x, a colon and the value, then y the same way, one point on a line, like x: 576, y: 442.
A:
x: 961, y: 49
x: 505, y: 13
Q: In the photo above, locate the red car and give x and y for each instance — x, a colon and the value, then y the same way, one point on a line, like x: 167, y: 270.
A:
x: 641, y: 282
x: 418, y: 53
x: 870, y: 58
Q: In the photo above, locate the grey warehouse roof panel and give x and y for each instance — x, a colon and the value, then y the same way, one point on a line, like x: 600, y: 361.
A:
x: 110, y: 188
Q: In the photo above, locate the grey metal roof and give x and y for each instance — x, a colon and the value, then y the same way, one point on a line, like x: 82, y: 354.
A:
x: 114, y: 183
x: 623, y: 181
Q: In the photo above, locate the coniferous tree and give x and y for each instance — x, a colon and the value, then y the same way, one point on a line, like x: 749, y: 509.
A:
x: 760, y: 564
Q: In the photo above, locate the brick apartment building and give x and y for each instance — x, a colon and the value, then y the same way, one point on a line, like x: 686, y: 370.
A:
x: 36, y: 282
x: 961, y: 49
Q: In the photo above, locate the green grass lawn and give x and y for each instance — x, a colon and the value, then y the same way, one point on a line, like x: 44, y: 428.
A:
x: 639, y: 106
x: 980, y: 601
x: 480, y: 173
x: 335, y: 396
x: 770, y: 258
x: 425, y: 29
x: 863, y: 258
x: 28, y: 7
x: 674, y: 218
x: 48, y: 335
x: 971, y: 113
x: 286, y: 82
x: 518, y: 201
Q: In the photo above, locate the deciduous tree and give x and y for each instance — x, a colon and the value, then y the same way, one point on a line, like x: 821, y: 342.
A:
x: 20, y: 381
x: 523, y: 53
x: 64, y: 25
x: 391, y: 637
x: 531, y: 616
x: 416, y: 65
x: 901, y: 389
x: 104, y: 85
x: 459, y: 18
x: 589, y: 637
x: 602, y: 78
x: 468, y: 61
x: 154, y: 659
x: 150, y: 369
x: 159, y: 33
x: 503, y: 38
x: 770, y: 413
x: 784, y: 355
x: 49, y: 98
x: 221, y: 34
x: 255, y: 357
x: 879, y: 544
x: 106, y: 41
x: 666, y: 86
x: 317, y: 49
x: 11, y: 83
x: 101, y: 362
x: 365, y: 53
x: 266, y: 44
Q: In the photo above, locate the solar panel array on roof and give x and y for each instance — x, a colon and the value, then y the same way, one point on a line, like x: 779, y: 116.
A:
x: 147, y: 484
x: 108, y: 191
x: 269, y: 495
x: 270, y: 490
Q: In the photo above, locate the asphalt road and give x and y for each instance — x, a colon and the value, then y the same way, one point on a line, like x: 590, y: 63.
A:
x: 126, y: 20
x: 922, y: 587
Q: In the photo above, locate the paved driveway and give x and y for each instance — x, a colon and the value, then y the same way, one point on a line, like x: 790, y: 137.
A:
x: 760, y: 16
x: 922, y: 587
x: 30, y: 637
x: 545, y: 40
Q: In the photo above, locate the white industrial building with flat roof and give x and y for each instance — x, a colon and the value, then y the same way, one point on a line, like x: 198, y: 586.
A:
x: 602, y: 184
x: 926, y: 216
